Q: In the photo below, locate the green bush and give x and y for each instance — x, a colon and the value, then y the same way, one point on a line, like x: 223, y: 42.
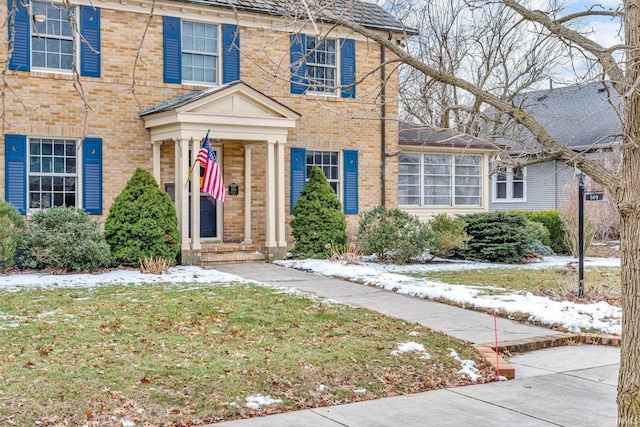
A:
x: 394, y: 235
x: 552, y: 221
x: 319, y: 222
x: 11, y: 227
x: 142, y: 222
x: 449, y: 235
x: 64, y: 238
x: 499, y: 237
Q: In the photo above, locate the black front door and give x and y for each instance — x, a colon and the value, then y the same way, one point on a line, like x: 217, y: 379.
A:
x: 208, y: 217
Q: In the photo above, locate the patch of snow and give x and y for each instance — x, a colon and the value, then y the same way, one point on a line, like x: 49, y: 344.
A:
x: 468, y: 366
x: 572, y: 315
x: 411, y: 346
x: 257, y: 401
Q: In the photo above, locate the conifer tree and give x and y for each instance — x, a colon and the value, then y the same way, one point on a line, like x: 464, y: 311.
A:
x: 319, y: 220
x: 142, y: 222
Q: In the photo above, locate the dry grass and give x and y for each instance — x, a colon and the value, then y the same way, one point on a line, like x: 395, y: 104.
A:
x: 169, y: 355
x: 558, y: 283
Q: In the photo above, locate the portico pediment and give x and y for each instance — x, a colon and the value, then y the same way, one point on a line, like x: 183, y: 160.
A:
x: 235, y: 110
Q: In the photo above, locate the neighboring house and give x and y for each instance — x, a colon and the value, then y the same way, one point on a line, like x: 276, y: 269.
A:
x: 581, y: 117
x: 442, y: 171
x: 141, y: 83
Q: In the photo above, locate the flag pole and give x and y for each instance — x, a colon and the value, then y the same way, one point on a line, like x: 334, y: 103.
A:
x: 196, y: 159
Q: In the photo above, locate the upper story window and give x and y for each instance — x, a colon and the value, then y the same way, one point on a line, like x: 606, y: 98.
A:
x: 326, y: 66
x: 200, y: 56
x: 428, y: 179
x: 200, y: 53
x: 329, y: 162
x: 51, y: 37
x: 321, y: 65
x: 509, y: 185
x: 43, y: 38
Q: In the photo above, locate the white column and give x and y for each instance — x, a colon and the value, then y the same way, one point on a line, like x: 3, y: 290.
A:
x: 182, y: 190
x: 247, y: 195
x: 195, y: 197
x: 155, y: 148
x: 280, y: 208
x: 271, y: 195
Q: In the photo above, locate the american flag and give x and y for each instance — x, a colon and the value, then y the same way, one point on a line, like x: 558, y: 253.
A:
x: 212, y: 180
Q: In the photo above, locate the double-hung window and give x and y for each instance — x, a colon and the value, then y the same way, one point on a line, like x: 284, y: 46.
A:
x: 340, y: 168
x: 51, y: 37
x: 46, y: 172
x: 321, y: 65
x: 430, y: 179
x: 509, y: 184
x: 43, y: 38
x: 329, y: 162
x: 53, y: 173
x: 200, y: 53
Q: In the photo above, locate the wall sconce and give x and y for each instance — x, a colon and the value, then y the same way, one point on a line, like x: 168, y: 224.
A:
x: 39, y: 18
x: 233, y: 189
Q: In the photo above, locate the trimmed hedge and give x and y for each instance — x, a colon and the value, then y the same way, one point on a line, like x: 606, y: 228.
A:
x: 11, y: 226
x: 65, y: 238
x: 394, y: 235
x: 319, y: 223
x: 551, y: 220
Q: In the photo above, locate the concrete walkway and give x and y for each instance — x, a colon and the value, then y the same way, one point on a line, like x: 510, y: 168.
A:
x: 564, y: 386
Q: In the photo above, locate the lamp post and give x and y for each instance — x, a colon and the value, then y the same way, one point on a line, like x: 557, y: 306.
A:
x: 580, y: 233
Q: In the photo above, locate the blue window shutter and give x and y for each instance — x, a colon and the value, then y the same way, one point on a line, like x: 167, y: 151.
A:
x: 298, y: 63
x: 348, y: 68
x: 298, y: 174
x: 92, y: 175
x: 21, y: 55
x: 15, y: 167
x: 231, y: 53
x: 172, y: 50
x: 90, y: 45
x: 350, y: 181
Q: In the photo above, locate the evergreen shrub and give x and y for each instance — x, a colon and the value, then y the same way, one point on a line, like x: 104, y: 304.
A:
x: 64, y: 238
x: 499, y: 237
x: 11, y: 228
x: 449, y: 235
x: 552, y: 221
x: 142, y: 222
x: 319, y: 222
x: 394, y: 235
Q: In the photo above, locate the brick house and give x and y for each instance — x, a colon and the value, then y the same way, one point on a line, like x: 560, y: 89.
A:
x: 92, y: 93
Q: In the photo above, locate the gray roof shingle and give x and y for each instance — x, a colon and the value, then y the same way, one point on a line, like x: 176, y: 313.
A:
x: 368, y: 14
x: 436, y: 137
x: 578, y: 116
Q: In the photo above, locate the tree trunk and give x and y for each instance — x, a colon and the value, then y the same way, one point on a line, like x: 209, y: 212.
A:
x: 629, y: 206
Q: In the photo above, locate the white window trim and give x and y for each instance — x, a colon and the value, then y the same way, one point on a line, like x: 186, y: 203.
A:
x: 78, y: 174
x: 509, y: 181
x: 336, y: 91
x: 76, y: 43
x: 219, y: 55
x: 453, y: 204
x: 340, y: 192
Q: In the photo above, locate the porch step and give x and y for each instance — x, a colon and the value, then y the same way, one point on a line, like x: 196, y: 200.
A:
x: 229, y: 253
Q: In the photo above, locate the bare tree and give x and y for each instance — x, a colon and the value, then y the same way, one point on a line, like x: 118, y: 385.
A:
x: 491, y: 46
x: 619, y: 64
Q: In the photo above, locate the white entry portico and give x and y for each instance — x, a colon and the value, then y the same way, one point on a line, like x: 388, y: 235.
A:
x: 234, y: 112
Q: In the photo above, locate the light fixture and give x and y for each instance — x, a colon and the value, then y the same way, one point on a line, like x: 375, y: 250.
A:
x: 39, y: 18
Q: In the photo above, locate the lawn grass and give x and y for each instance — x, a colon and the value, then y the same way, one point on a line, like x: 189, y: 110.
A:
x: 560, y: 281
x: 181, y: 354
